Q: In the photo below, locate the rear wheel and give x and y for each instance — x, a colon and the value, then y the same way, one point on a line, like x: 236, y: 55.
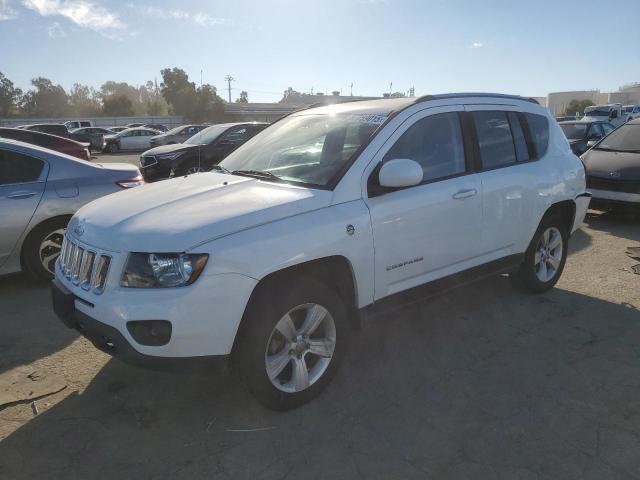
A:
x: 42, y: 248
x: 545, y: 258
x: 292, y: 341
x: 112, y: 147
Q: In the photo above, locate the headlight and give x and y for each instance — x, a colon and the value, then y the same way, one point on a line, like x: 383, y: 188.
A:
x: 170, y: 156
x: 161, y: 270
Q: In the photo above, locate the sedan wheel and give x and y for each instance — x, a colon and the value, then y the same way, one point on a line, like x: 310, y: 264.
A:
x: 300, y: 348
x: 50, y: 249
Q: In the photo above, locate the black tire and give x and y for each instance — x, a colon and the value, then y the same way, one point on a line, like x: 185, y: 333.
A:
x: 267, y: 307
x: 112, y: 147
x: 31, y: 247
x: 525, y: 277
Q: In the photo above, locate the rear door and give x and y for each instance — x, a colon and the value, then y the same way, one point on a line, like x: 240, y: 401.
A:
x: 22, y: 183
x: 509, y: 176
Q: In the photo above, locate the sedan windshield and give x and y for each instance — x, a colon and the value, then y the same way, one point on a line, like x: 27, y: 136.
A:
x: 574, y: 131
x: 311, y: 149
x: 206, y: 136
x: 623, y: 139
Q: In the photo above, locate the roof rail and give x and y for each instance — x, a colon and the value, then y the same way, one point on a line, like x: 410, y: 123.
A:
x: 427, y: 98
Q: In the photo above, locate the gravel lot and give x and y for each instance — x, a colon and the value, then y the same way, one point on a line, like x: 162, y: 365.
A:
x: 482, y: 382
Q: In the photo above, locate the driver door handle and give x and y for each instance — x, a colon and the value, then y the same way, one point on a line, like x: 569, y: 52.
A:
x: 20, y: 195
x: 459, y: 195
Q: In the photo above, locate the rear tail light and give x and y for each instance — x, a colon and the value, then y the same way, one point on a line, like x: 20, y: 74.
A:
x: 87, y: 154
x: 131, y: 182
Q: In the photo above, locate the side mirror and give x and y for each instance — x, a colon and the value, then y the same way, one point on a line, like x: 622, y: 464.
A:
x: 400, y: 172
x: 591, y: 143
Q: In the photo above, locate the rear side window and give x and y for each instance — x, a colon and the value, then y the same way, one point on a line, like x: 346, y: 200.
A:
x: 435, y: 142
x: 495, y: 139
x: 539, y: 131
x: 18, y: 168
x: 519, y: 139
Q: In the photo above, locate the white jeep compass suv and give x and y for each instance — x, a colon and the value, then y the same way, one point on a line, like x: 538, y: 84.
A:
x: 314, y: 223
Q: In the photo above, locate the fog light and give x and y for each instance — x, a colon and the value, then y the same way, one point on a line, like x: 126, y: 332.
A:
x: 151, y: 333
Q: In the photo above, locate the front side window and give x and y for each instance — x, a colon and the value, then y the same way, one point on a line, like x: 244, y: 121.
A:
x: 312, y: 149
x: 435, y: 142
x: 495, y: 139
x: 18, y: 168
x: 595, y: 131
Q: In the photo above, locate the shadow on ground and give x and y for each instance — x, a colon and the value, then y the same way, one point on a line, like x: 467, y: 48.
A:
x: 28, y: 336
x: 619, y: 223
x: 480, y: 383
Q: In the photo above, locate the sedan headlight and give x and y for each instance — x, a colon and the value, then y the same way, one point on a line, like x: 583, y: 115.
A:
x: 161, y: 270
x: 170, y: 156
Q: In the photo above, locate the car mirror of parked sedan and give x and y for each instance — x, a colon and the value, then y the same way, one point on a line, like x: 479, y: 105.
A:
x: 591, y: 143
x: 400, y: 172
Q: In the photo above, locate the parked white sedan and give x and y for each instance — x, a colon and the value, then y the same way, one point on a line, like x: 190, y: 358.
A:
x: 129, y: 139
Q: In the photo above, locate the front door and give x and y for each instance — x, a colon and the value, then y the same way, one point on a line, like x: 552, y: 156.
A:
x: 430, y: 230
x: 22, y: 182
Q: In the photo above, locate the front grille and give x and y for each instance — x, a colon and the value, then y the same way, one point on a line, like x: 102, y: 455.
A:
x: 613, y: 185
x: 83, y: 266
x: 148, y: 160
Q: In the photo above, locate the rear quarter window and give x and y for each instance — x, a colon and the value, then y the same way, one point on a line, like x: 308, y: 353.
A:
x: 539, y: 131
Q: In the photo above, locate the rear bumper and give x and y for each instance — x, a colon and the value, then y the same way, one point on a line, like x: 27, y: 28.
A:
x: 608, y: 196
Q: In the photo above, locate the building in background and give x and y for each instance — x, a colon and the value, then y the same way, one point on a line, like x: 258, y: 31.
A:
x: 557, y: 102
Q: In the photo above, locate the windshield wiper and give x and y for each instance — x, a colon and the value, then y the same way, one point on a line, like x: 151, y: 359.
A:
x: 258, y: 174
x: 221, y: 168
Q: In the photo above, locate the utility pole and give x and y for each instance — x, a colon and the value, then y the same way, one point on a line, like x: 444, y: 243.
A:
x: 229, y: 79
x: 390, y: 88
x: 200, y: 79
x: 351, y: 94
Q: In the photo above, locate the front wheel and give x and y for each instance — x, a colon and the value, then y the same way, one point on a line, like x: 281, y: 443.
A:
x: 42, y: 248
x: 112, y: 147
x: 545, y: 258
x: 293, y: 339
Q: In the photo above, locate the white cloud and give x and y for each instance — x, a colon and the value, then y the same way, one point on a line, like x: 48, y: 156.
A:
x: 6, y: 11
x: 56, y: 31
x: 81, y: 12
x: 198, y: 18
x: 476, y: 45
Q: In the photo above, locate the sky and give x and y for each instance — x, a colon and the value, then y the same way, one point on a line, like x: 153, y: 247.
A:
x: 436, y: 46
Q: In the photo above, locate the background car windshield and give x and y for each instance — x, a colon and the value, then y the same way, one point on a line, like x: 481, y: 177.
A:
x: 624, y: 139
x: 597, y: 112
x: 574, y: 131
x: 206, y: 136
x: 310, y: 149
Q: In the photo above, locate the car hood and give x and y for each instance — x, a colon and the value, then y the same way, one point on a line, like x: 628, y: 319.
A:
x: 110, y: 136
x: 600, y: 163
x: 169, y: 148
x: 178, y: 214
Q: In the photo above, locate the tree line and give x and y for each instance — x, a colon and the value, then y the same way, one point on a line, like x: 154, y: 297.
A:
x: 175, y: 95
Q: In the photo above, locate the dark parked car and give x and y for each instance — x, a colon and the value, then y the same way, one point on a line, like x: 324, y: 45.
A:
x: 52, y: 128
x: 199, y: 153
x: 93, y: 135
x: 613, y: 168
x: 176, y: 135
x: 135, y: 125
x: 583, y: 135
x: 52, y: 142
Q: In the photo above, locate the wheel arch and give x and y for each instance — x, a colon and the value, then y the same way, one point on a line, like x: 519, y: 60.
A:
x: 335, y: 271
x: 566, y: 210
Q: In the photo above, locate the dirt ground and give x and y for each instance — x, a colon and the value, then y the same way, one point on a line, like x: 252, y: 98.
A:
x: 482, y: 382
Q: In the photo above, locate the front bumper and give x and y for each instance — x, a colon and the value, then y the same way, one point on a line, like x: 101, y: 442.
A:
x: 204, y: 317
x: 155, y: 172
x: 604, y: 197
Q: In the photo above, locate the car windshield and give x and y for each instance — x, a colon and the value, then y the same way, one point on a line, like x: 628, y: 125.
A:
x: 597, y: 112
x: 310, y: 149
x: 206, y: 136
x: 623, y: 139
x: 574, y: 131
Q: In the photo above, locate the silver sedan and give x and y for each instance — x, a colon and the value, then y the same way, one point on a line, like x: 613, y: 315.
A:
x: 40, y: 190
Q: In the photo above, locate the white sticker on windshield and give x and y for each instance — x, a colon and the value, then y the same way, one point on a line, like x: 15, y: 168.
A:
x: 374, y: 119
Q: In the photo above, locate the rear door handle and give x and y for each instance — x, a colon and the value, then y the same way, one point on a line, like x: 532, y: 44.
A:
x: 459, y: 195
x: 20, y: 195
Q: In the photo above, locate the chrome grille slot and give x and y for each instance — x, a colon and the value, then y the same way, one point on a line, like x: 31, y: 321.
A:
x: 84, y: 267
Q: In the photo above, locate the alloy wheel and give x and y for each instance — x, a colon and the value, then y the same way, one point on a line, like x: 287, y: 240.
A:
x: 300, y: 348
x: 548, y: 254
x: 49, y: 249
